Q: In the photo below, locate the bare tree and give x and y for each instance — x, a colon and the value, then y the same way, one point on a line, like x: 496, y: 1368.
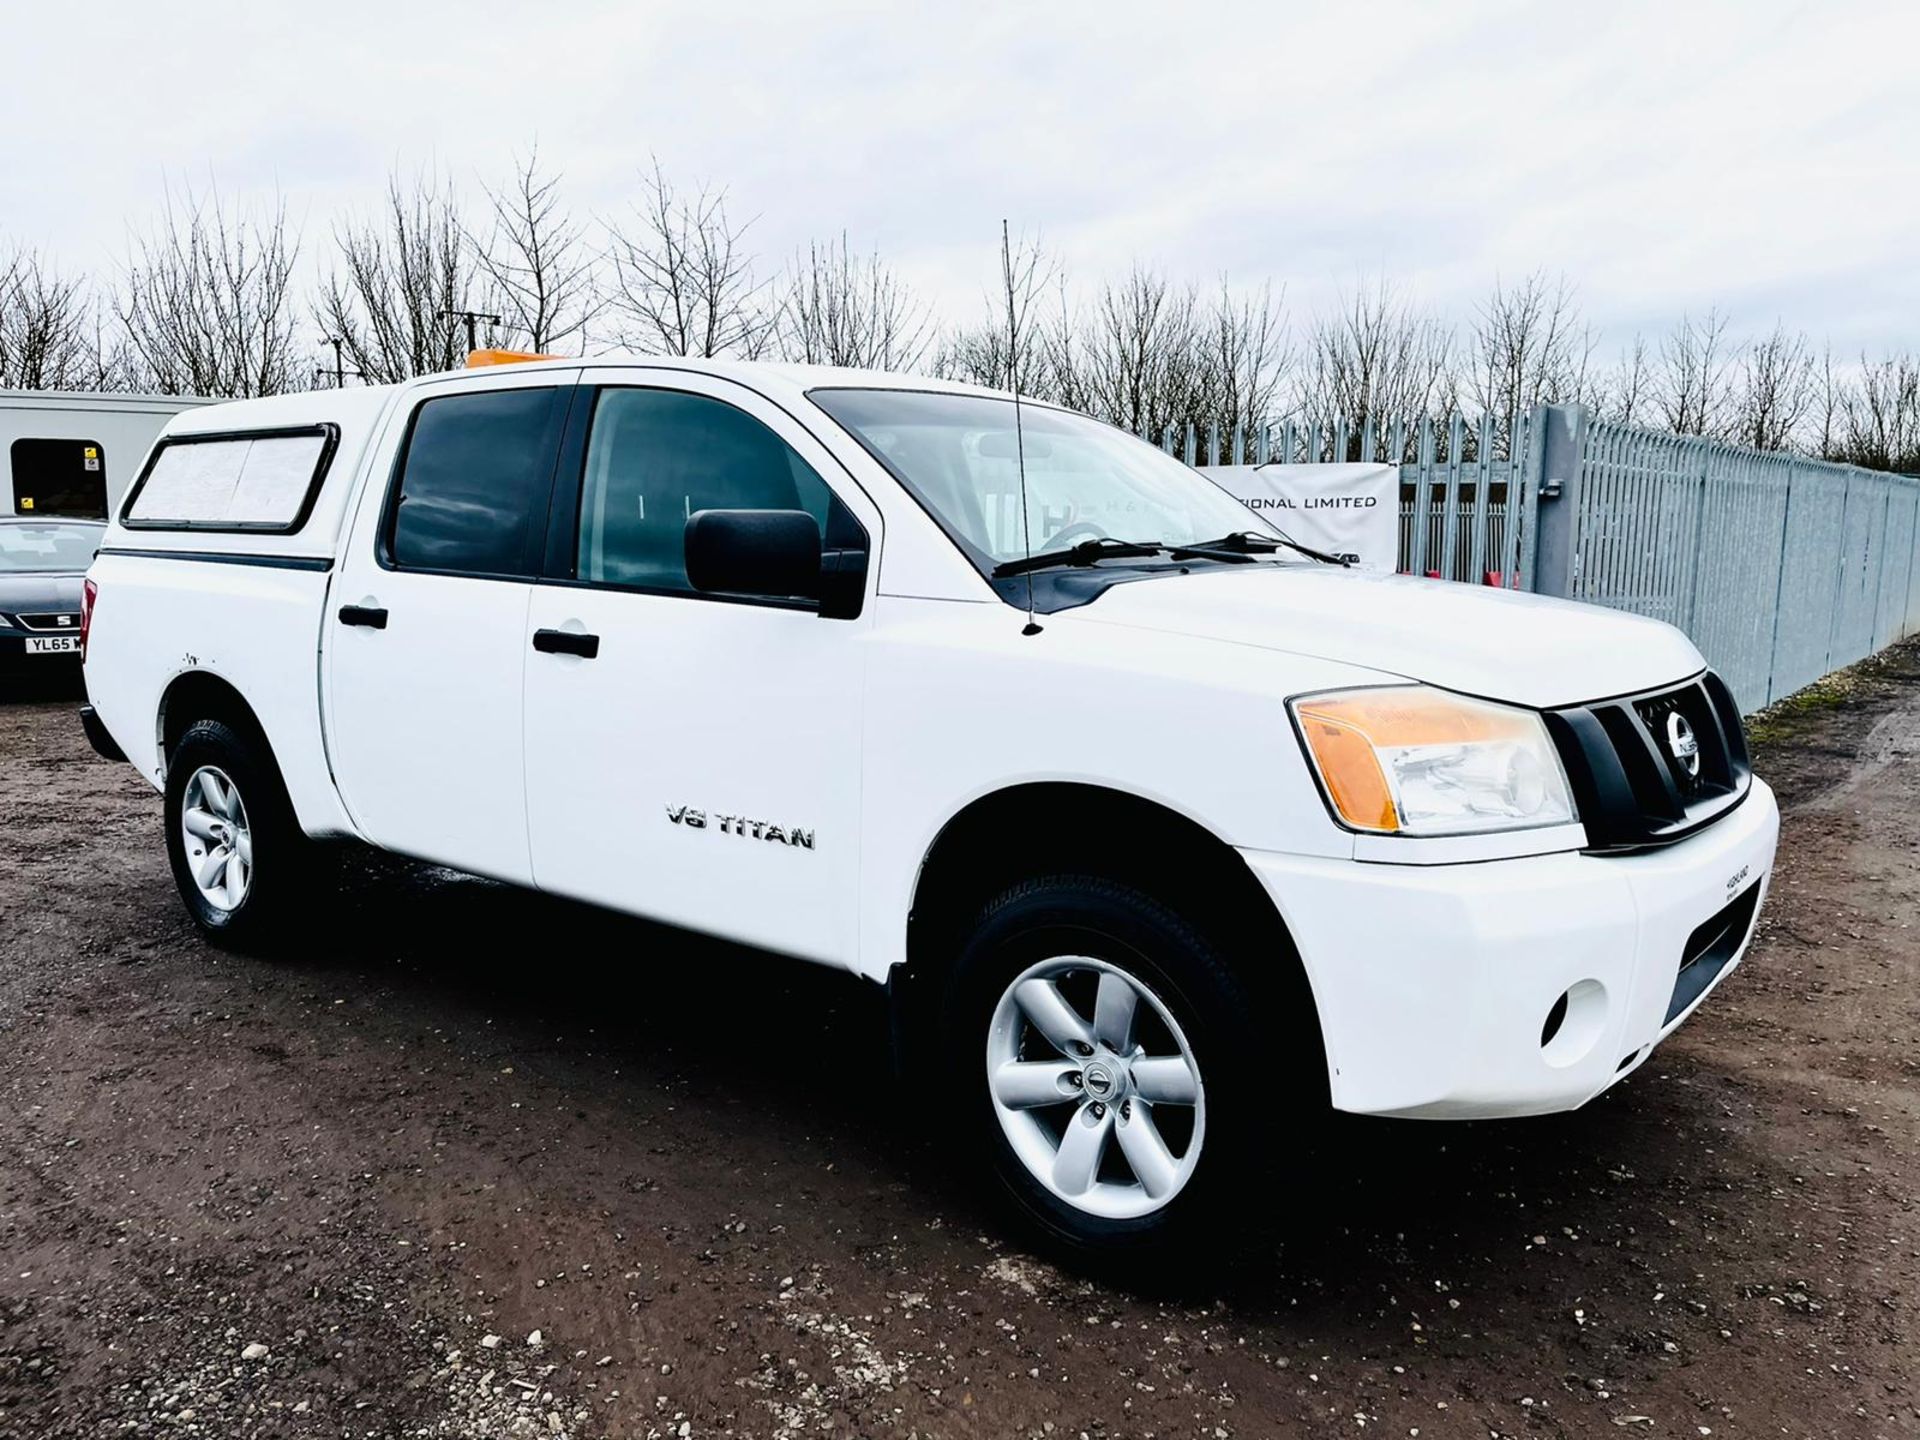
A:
x: 50, y: 332
x: 1879, y: 415
x: 1155, y: 358
x: 208, y: 304
x: 1829, y: 400
x: 1528, y: 347
x: 1776, y: 390
x: 1692, y: 393
x: 978, y: 354
x: 11, y: 266
x: 398, y: 279
x: 1133, y: 355
x: 1245, y: 358
x: 839, y: 308
x: 1063, y: 374
x: 1376, y: 357
x: 682, y: 276
x: 110, y: 361
x: 1623, y: 393
x: 984, y: 354
x: 536, y: 260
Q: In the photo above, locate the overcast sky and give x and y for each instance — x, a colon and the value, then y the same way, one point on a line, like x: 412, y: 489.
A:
x: 1764, y: 157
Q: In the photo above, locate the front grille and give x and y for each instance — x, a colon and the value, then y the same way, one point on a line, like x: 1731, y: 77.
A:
x: 1650, y: 769
x: 62, y: 623
x: 1676, y: 719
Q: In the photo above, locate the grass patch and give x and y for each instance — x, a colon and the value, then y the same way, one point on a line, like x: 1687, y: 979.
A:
x: 1792, y: 715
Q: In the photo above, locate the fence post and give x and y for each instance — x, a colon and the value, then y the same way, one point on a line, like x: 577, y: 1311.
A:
x: 1700, y: 510
x: 1780, y: 587
x: 1879, y: 553
x: 1422, y: 495
x: 1839, y: 574
x: 1554, y: 444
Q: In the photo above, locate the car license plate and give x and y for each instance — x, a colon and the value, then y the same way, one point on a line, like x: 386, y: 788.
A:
x: 53, y: 644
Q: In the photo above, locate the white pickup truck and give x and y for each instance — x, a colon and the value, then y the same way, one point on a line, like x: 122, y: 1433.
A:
x: 1163, y: 834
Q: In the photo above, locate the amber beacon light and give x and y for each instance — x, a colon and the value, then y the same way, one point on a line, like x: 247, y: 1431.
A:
x: 478, y: 358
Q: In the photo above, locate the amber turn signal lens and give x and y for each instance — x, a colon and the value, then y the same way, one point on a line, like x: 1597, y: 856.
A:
x: 1349, y: 769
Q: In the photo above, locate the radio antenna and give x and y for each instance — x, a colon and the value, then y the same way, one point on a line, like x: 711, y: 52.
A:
x: 1032, y: 627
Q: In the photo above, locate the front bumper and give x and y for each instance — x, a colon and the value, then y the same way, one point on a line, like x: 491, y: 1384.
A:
x: 1439, y: 987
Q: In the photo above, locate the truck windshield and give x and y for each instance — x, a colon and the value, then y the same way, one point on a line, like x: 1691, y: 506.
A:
x: 1086, y: 481
x: 25, y: 549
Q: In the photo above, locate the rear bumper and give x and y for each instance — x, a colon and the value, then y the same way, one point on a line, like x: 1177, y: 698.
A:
x: 103, y: 744
x: 1440, y: 987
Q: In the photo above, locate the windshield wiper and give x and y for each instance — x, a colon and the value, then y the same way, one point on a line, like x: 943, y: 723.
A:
x: 1244, y: 544
x: 1241, y: 545
x: 1087, y: 552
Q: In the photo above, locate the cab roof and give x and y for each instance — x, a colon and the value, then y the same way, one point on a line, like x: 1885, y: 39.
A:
x: 358, y: 407
x: 770, y: 375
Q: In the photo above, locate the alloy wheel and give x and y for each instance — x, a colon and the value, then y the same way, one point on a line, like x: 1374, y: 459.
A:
x: 219, y: 842
x: 1095, y: 1087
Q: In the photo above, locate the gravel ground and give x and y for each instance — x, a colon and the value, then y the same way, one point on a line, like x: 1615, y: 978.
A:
x: 473, y: 1163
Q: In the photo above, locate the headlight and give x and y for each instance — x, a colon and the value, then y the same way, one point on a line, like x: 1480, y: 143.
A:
x: 1409, y: 760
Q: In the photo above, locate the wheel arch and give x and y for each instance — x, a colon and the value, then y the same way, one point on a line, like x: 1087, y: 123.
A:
x: 195, y: 695
x: 1046, y: 827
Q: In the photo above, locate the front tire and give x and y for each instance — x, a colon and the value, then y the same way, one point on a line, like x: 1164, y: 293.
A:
x: 1118, y: 1075
x: 237, y: 853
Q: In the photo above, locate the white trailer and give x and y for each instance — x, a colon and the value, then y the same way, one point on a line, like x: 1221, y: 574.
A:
x: 76, y: 452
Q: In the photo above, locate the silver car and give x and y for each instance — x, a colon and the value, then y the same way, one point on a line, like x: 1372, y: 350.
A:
x: 43, y: 564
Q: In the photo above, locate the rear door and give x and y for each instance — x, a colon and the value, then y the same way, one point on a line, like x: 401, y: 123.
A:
x: 425, y: 635
x: 694, y: 757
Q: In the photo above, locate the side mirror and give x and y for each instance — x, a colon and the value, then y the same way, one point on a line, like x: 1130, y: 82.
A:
x: 774, y: 553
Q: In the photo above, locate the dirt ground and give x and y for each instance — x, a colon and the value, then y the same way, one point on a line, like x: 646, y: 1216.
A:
x: 337, y: 1194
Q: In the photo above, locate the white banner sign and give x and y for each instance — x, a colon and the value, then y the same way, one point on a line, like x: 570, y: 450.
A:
x: 1348, y: 510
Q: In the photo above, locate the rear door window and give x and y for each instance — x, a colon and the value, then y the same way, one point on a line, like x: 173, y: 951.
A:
x: 474, y: 483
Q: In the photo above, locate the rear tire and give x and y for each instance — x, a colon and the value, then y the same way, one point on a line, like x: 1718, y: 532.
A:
x: 237, y: 853
x: 1144, y: 1118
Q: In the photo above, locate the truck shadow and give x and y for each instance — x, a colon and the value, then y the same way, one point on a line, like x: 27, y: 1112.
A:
x: 1404, y: 1215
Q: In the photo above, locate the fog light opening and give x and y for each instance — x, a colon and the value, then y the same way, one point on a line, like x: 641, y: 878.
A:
x: 1574, y: 1024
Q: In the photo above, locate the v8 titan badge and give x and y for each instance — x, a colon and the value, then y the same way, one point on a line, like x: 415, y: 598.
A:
x: 694, y: 819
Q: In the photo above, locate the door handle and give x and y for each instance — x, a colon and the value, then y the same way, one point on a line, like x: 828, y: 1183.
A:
x: 566, y: 642
x: 374, y: 617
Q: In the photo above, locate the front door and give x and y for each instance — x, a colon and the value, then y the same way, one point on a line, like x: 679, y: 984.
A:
x: 425, y: 632
x: 691, y: 757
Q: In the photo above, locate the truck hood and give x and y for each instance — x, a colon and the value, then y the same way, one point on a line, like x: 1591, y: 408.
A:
x: 39, y: 592
x: 1498, y: 644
